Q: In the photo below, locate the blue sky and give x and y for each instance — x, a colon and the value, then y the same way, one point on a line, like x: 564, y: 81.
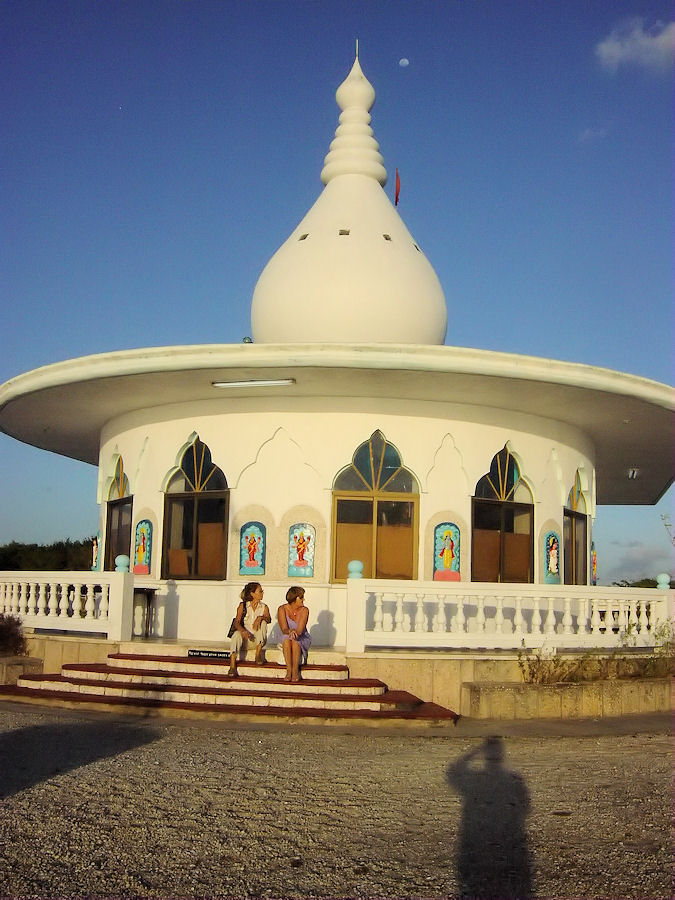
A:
x: 156, y: 154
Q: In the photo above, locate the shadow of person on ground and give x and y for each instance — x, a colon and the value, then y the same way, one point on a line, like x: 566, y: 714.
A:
x: 31, y: 755
x: 493, y: 855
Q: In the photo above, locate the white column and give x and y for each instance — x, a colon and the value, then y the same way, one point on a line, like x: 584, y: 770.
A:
x: 518, y: 621
x: 420, y: 618
x: 398, y: 618
x: 567, y: 616
x: 549, y: 625
x: 536, y: 616
x: 441, y: 623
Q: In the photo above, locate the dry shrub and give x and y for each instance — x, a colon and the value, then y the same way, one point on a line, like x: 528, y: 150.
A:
x: 12, y: 638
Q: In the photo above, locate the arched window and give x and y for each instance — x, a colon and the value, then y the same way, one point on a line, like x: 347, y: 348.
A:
x: 196, y: 507
x: 503, y: 524
x: 575, y: 535
x: 375, y: 514
x: 118, y: 518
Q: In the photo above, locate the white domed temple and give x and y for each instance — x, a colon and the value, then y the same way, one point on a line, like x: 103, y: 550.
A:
x: 428, y: 497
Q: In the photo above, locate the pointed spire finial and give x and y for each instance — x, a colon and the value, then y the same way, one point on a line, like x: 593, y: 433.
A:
x: 354, y: 150
x: 357, y: 48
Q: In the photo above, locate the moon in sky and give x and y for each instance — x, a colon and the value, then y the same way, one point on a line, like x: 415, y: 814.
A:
x: 404, y: 62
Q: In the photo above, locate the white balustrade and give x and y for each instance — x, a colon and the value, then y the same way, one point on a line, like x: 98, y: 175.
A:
x: 566, y: 616
x: 68, y: 602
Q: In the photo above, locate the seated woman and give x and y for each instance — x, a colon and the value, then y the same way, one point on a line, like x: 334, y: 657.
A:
x: 292, y: 618
x: 250, y: 624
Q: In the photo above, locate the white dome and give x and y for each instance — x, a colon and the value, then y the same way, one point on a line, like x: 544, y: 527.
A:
x: 350, y: 272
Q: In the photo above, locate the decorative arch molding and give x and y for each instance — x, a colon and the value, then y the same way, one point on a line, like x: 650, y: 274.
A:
x: 278, y: 434
x: 447, y: 458
x: 554, y: 474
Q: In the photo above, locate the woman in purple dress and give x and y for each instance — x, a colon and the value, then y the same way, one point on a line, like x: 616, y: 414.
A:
x: 292, y: 618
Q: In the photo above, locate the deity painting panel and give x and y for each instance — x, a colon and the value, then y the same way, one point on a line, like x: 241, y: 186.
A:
x: 301, y: 543
x: 446, y: 552
x: 252, y: 549
x: 594, y: 564
x: 552, y: 558
x: 96, y: 553
x: 143, y: 548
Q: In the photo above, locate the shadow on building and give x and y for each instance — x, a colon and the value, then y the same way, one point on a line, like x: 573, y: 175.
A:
x: 493, y: 854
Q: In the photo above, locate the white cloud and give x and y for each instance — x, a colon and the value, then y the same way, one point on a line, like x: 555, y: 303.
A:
x: 589, y: 135
x: 630, y: 44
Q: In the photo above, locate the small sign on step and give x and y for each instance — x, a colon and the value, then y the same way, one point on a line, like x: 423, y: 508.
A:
x: 210, y: 654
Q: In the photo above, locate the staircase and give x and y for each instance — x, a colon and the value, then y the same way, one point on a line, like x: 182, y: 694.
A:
x: 187, y: 685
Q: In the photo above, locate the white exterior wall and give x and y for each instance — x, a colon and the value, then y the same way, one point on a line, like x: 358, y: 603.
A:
x: 281, y: 457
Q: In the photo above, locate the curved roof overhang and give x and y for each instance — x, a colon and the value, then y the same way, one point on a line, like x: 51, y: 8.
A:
x: 63, y: 407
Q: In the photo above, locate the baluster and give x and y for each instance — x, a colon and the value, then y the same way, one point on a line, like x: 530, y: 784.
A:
x: 441, y: 623
x: 631, y: 615
x: 379, y: 613
x: 43, y: 599
x: 3, y: 592
x: 499, y: 615
x: 12, y: 598
x: 595, y: 616
x: 549, y: 624
x: 536, y: 616
x: 480, y: 614
x: 53, y: 600
x: 518, y: 620
x: 89, y: 605
x: 398, y: 618
x: 582, y: 616
x: 26, y: 610
x: 460, y: 621
x: 103, y: 608
x: 420, y: 618
x: 642, y: 618
x: 567, y: 616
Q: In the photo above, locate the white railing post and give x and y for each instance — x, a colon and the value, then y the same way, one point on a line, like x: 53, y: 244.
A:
x: 379, y: 611
x: 536, y: 616
x: 567, y: 616
x: 440, y: 621
x: 356, y: 616
x: 518, y: 621
x: 398, y: 619
x: 120, y: 606
x: 549, y: 624
x: 460, y: 619
x: 480, y: 614
x: 420, y: 618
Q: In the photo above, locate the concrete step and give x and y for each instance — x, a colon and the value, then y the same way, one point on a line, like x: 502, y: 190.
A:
x: 284, y: 696
x: 194, y: 686
x: 262, y: 678
x: 149, y: 662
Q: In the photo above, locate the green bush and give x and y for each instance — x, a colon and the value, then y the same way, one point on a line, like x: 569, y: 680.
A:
x: 12, y: 638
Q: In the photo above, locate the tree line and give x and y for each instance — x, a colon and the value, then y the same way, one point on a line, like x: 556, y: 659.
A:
x: 61, y: 556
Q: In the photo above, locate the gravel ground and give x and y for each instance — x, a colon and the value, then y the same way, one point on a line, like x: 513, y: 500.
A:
x: 97, y: 806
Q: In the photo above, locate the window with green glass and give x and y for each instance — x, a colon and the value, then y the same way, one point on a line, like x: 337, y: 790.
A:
x: 375, y: 514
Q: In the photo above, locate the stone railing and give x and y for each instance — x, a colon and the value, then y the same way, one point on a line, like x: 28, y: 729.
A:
x: 474, y: 615
x: 71, y: 602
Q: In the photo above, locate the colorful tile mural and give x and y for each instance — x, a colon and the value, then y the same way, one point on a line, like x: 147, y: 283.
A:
x: 143, y: 548
x: 552, y: 558
x: 252, y: 549
x: 301, y: 543
x: 446, y: 552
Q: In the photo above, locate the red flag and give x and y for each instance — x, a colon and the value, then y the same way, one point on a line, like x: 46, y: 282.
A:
x: 398, y: 189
